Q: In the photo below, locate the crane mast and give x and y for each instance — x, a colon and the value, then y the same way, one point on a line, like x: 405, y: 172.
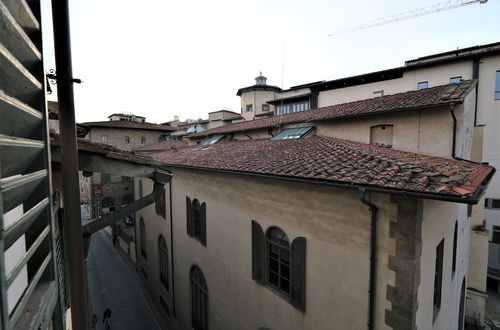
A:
x: 438, y: 7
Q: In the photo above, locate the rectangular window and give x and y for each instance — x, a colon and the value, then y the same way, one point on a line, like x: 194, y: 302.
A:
x: 438, y: 277
x: 422, y: 85
x: 127, y: 139
x: 455, y: 80
x: 160, y: 206
x: 379, y: 93
x: 249, y: 107
x: 213, y: 139
x: 104, y: 138
x: 265, y: 107
x: 497, y: 86
x: 143, y: 140
x: 491, y: 203
x: 496, y: 234
x: 292, y: 133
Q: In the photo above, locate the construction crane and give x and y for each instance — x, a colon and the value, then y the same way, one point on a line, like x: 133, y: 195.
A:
x: 438, y: 7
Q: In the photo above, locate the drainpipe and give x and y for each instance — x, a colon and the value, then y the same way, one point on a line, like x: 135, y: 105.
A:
x: 373, y: 258
x: 69, y: 151
x: 454, y: 130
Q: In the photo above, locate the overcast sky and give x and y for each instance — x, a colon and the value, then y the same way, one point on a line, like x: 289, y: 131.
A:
x: 159, y: 58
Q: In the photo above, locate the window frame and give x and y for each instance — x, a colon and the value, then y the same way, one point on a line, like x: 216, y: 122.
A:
x: 497, y: 85
x: 163, y: 262
x: 438, y: 279
x: 266, y: 107
x: 127, y: 139
x: 104, y: 138
x: 453, y: 80
x: 421, y: 83
x: 300, y: 132
x: 143, y: 140
x: 249, y: 108
x: 282, y: 248
x: 199, y: 298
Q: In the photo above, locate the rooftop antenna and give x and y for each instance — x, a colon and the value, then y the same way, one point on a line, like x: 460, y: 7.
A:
x: 438, y: 7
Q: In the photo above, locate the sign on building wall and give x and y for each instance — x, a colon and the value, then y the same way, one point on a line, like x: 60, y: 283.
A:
x: 97, y: 190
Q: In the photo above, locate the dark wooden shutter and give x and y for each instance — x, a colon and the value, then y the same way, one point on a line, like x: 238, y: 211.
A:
x: 257, y: 252
x: 298, y: 273
x: 189, y: 216
x: 203, y: 224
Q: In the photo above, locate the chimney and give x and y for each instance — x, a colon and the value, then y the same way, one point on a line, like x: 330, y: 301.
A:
x: 176, y: 118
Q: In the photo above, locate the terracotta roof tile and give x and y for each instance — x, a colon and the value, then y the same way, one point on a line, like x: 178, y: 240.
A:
x: 424, y: 98
x: 337, y: 161
x: 129, y: 124
x: 163, y: 145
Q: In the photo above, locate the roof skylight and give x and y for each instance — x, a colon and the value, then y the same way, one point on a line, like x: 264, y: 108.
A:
x: 213, y: 139
x: 292, y: 133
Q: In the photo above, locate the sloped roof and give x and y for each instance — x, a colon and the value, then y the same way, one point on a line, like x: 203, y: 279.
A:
x: 407, y: 101
x: 163, y: 146
x: 129, y: 124
x: 340, y: 162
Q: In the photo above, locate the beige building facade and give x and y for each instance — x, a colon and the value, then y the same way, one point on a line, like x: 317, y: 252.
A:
x: 422, y: 240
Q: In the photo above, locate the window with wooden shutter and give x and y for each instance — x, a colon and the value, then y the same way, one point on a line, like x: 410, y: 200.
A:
x: 257, y: 252
x: 143, y: 239
x: 163, y: 261
x: 454, y: 260
x: 199, y: 300
x: 298, y: 273
x: 203, y: 224
x: 189, y: 216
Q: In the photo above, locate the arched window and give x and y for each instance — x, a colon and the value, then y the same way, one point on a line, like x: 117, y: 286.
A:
x: 199, y: 300
x: 143, y: 239
x: 278, y: 274
x: 163, y: 255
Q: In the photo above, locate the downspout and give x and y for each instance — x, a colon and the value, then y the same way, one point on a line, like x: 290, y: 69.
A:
x: 69, y: 151
x: 454, y: 131
x: 172, y: 248
x: 373, y: 258
x: 475, y: 75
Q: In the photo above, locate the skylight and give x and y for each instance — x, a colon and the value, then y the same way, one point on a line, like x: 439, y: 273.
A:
x: 213, y: 139
x: 292, y: 133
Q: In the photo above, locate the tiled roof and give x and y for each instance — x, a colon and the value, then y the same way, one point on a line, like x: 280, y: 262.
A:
x: 424, y: 98
x: 338, y: 161
x: 163, y: 145
x: 129, y: 124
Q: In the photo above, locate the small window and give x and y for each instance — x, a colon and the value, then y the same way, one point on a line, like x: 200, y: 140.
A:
x: 213, y: 139
x: 422, y: 85
x: 249, y: 107
x: 105, y: 177
x: 292, y: 133
x: 381, y: 135
x: 127, y: 139
x: 497, y: 86
x: 143, y: 140
x: 379, y: 93
x: 496, y: 234
x: 104, y: 138
x: 438, y: 278
x: 265, y: 107
x: 455, y: 80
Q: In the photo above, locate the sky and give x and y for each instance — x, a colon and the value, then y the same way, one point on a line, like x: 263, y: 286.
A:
x: 160, y: 58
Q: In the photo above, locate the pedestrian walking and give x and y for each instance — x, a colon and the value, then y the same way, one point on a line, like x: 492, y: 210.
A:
x: 106, y: 318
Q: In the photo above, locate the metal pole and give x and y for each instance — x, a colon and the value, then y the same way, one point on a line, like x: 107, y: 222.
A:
x: 69, y: 151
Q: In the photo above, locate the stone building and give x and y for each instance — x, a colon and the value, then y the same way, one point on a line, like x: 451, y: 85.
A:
x: 334, y: 218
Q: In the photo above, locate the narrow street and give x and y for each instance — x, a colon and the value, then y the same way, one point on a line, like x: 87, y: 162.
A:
x: 113, y: 284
